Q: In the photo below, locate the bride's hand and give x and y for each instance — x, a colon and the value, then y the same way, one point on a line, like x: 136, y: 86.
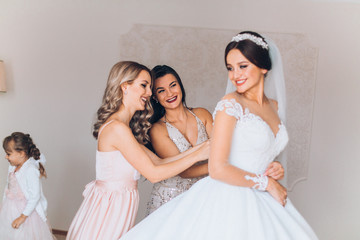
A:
x: 277, y: 191
x: 275, y: 170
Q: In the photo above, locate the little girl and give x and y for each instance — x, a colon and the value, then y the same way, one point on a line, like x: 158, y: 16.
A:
x: 23, y: 211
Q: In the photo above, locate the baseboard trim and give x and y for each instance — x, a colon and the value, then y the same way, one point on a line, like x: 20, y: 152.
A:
x: 59, y: 232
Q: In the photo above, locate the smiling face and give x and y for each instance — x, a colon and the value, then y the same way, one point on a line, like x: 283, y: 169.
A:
x: 15, y: 158
x: 139, y: 92
x: 168, y: 91
x: 243, y: 74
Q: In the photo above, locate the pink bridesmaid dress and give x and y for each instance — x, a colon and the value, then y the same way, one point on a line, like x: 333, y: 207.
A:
x: 110, y: 202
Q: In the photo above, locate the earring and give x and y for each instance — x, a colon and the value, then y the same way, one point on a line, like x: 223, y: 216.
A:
x: 125, y: 92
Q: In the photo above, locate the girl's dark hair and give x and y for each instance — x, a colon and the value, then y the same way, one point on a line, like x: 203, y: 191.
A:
x: 158, y: 72
x: 254, y: 53
x: 24, y: 143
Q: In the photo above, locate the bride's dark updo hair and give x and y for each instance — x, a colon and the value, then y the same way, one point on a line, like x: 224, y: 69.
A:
x: 255, y: 53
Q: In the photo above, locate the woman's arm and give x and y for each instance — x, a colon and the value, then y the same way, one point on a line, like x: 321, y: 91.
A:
x: 118, y: 136
x: 203, y: 147
x: 165, y: 147
x: 202, y: 169
x: 221, y: 169
x: 196, y: 170
x: 161, y: 142
x: 32, y: 179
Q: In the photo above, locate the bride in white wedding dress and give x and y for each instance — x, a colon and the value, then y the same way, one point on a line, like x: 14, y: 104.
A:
x: 237, y: 201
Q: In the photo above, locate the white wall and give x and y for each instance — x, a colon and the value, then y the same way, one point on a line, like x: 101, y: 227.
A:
x: 58, y: 55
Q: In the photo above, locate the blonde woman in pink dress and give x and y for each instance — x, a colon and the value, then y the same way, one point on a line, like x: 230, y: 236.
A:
x: 111, y: 201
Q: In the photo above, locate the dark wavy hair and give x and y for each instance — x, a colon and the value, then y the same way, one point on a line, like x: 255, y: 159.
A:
x: 257, y: 55
x: 158, y: 72
x: 23, y: 143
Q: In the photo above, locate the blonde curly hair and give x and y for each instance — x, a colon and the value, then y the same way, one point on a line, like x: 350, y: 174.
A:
x: 124, y: 72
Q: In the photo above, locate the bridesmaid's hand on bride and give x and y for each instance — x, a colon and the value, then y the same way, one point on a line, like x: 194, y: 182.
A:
x: 277, y: 191
x: 275, y: 170
x: 203, y: 150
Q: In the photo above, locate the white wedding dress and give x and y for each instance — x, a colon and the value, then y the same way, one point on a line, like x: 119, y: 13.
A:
x: 214, y: 210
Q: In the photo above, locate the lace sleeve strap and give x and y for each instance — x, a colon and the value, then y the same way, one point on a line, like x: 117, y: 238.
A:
x: 231, y: 107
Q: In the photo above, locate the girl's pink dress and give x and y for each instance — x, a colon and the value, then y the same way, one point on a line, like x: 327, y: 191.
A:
x: 34, y: 228
x: 110, y: 202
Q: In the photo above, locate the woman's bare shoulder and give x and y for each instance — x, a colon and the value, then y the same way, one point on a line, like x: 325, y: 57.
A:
x: 158, y: 127
x: 115, y: 127
x: 201, y: 112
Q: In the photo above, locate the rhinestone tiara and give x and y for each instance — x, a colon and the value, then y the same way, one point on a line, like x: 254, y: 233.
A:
x: 247, y: 36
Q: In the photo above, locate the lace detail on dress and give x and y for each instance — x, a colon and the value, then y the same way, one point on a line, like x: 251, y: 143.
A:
x: 260, y: 181
x: 251, y: 130
x: 231, y: 107
x: 13, y: 190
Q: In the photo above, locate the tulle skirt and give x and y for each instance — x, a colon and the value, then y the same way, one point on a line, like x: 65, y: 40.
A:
x: 34, y: 228
x: 107, y: 212
x: 214, y: 210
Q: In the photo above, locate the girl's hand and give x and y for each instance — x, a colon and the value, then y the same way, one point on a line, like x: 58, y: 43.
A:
x: 17, y: 222
x: 275, y: 170
x: 277, y: 191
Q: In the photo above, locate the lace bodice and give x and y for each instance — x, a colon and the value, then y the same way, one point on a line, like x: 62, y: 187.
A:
x: 166, y: 190
x: 13, y: 190
x: 254, y: 144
